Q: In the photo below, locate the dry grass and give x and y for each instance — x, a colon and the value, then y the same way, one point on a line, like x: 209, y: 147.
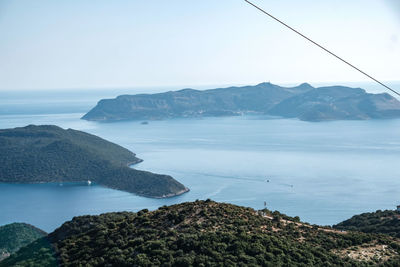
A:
x: 370, y: 252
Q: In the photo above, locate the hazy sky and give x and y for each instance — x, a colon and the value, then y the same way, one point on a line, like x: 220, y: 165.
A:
x: 100, y: 44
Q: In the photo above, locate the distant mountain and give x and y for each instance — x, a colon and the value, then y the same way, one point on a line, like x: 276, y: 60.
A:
x: 304, y: 102
x: 204, y: 233
x: 338, y: 103
x: 193, y: 103
x: 385, y: 222
x: 16, y: 235
x: 36, y: 154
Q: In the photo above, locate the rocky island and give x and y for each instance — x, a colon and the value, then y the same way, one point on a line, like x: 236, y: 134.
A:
x: 303, y: 102
x: 204, y: 233
x: 47, y: 153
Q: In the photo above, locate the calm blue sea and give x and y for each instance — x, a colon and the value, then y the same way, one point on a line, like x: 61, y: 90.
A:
x: 323, y: 172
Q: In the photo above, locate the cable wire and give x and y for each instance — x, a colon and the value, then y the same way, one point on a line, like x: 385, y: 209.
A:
x: 323, y: 48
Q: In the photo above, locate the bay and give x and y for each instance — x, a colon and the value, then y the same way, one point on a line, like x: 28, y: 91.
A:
x: 323, y: 172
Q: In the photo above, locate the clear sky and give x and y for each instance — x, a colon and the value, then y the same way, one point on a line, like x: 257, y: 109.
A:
x: 47, y: 44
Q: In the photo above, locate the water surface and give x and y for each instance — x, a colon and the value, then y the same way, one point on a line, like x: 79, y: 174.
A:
x: 323, y: 172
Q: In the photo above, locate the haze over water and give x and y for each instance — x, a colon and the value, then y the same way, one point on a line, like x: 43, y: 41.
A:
x: 324, y: 172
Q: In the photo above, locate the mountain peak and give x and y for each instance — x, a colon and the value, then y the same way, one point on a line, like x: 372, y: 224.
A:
x: 306, y: 85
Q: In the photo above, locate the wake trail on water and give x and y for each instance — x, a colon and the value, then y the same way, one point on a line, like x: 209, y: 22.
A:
x: 266, y: 180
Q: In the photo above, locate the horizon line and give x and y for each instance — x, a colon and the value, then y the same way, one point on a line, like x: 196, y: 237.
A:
x: 193, y: 86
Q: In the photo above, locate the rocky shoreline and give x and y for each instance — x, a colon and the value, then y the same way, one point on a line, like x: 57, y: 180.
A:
x: 176, y: 194
x: 4, y: 255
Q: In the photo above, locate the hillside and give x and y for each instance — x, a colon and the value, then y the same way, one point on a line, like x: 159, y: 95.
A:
x: 16, y: 235
x: 193, y: 103
x: 36, y: 154
x: 338, y: 103
x: 304, y: 102
x: 385, y: 222
x: 204, y: 233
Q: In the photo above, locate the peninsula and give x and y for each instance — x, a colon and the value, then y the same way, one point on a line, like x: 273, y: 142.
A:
x: 303, y: 102
x: 47, y: 153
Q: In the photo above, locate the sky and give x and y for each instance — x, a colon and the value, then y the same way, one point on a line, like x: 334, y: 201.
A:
x: 47, y: 44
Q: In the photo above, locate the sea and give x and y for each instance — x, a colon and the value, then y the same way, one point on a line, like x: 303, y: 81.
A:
x: 323, y: 172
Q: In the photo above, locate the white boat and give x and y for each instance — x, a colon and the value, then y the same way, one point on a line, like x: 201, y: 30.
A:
x: 89, y: 182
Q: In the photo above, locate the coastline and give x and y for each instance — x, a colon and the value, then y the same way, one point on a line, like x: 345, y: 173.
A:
x: 129, y: 164
x: 103, y: 185
x: 176, y: 194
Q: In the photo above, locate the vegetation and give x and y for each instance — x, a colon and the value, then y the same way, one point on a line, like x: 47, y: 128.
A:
x: 35, y: 154
x: 338, y: 103
x: 385, y: 222
x: 204, y: 233
x: 304, y: 102
x: 16, y: 235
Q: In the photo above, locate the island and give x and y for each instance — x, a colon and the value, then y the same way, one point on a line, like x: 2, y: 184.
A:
x: 48, y: 153
x: 204, y: 233
x: 17, y: 235
x: 303, y: 102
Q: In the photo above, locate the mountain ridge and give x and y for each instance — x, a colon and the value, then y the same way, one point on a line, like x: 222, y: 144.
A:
x: 204, y: 233
x: 385, y: 222
x: 304, y: 102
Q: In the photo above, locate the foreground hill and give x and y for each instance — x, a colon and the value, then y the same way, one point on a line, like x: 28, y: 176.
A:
x: 304, y: 102
x: 36, y: 154
x: 385, y: 222
x: 16, y: 235
x: 203, y: 233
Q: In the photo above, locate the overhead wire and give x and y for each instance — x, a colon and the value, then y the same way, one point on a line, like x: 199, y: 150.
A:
x: 323, y: 48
